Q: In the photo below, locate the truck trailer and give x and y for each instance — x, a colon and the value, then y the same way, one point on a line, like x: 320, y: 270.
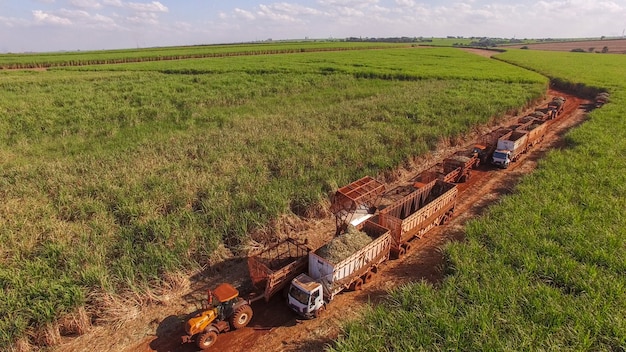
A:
x: 272, y: 269
x: 310, y: 292
x: 536, y: 129
x: 415, y: 214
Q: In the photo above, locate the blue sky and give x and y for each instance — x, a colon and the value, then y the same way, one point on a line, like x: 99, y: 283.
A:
x: 52, y: 25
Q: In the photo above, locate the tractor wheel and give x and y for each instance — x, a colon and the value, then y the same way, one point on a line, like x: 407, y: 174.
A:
x: 241, y: 317
x: 206, y: 340
x: 357, y: 285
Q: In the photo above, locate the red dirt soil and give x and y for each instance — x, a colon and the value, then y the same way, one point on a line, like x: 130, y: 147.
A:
x: 274, y: 327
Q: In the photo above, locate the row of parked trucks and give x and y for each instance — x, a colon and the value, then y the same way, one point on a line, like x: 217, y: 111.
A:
x: 395, y: 218
x: 391, y: 219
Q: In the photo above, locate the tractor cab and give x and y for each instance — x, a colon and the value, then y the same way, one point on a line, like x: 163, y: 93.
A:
x: 222, y: 299
x: 480, y: 152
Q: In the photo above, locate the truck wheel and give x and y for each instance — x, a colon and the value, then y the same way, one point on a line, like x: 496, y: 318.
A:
x: 241, y: 317
x: 319, y: 311
x: 206, y: 340
x: 443, y: 220
x: 357, y: 285
x: 367, y: 277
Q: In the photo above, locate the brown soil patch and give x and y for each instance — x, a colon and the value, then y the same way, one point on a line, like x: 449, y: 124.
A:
x: 274, y: 327
x: 481, y: 52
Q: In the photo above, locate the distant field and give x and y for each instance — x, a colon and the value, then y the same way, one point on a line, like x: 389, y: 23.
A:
x: 113, y: 176
x: 614, y: 46
x: 603, y: 71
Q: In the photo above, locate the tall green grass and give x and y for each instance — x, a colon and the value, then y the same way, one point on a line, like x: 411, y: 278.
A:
x: 542, y: 270
x: 111, y: 178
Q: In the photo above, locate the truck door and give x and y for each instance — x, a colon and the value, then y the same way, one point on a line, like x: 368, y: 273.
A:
x: 316, y: 300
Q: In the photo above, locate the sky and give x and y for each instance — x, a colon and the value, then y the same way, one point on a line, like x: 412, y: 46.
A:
x: 69, y: 25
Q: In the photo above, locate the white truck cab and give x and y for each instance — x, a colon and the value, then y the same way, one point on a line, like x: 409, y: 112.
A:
x: 306, y: 296
x: 502, y: 158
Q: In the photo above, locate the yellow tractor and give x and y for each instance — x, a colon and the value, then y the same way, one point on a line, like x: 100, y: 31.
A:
x: 225, y: 311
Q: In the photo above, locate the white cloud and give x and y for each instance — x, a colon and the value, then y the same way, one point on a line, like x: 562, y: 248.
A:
x: 347, y: 3
x: 241, y: 14
x: 85, y: 19
x: 11, y: 22
x: 115, y: 3
x: 48, y: 18
x: 154, y: 6
x: 86, y: 4
x: 276, y: 13
x: 405, y: 3
x: 143, y: 18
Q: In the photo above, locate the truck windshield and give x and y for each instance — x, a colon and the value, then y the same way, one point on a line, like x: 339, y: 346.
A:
x: 299, y: 295
x: 499, y: 155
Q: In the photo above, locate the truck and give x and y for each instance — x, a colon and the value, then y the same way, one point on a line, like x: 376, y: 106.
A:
x: 310, y: 292
x: 413, y: 215
x: 487, y: 145
x: 509, y: 148
x: 556, y: 106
